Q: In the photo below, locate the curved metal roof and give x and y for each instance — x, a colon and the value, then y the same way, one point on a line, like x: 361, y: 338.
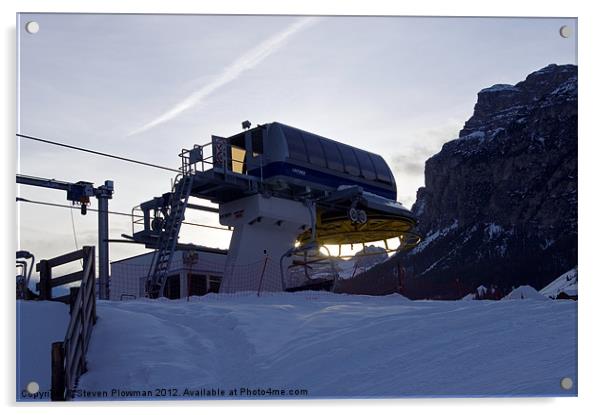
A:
x: 309, y: 148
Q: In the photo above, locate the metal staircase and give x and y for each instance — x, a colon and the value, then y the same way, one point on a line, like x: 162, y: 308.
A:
x: 168, y: 237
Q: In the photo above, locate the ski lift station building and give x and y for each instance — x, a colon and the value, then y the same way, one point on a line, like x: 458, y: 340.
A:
x: 283, y: 192
x: 197, y: 276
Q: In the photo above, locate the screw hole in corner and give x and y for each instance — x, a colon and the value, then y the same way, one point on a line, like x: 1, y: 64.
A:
x: 32, y: 27
x: 566, y: 383
x: 33, y: 387
x: 565, y: 31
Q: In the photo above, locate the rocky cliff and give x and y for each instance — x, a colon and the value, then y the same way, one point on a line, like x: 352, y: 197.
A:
x: 499, y: 205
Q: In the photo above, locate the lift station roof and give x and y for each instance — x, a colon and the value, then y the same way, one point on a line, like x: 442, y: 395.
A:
x: 323, y: 154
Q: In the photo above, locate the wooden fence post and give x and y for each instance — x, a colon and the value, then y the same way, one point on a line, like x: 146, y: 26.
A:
x: 57, y: 389
x: 65, y: 371
x: 72, y: 297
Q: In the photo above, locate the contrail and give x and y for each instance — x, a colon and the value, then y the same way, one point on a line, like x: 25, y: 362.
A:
x: 247, y: 61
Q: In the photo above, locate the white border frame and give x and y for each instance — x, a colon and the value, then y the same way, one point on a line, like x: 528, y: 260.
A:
x: 590, y: 346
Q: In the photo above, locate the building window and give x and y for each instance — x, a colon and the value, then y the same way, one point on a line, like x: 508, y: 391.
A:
x: 201, y: 284
x: 172, y: 287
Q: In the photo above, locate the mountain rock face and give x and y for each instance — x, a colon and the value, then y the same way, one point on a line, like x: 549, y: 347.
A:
x: 499, y: 205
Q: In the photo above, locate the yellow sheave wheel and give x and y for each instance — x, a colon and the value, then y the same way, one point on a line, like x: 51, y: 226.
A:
x: 339, y: 230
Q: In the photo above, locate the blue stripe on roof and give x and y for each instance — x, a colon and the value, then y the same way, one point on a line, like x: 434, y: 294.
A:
x: 319, y: 177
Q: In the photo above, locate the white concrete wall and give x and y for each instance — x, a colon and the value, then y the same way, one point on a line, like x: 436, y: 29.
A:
x: 263, y: 227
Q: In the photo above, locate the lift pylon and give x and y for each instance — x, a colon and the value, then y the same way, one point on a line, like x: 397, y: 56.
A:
x: 80, y: 192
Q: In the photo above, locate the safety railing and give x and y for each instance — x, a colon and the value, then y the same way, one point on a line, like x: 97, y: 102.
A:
x: 69, y: 356
x: 214, y: 155
x: 196, y: 158
x: 138, y: 219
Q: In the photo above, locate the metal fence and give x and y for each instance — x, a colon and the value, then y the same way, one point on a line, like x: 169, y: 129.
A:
x: 69, y: 356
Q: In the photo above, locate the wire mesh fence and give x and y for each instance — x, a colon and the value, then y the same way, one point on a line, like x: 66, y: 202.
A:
x: 128, y: 281
x: 259, y: 276
x: 262, y: 277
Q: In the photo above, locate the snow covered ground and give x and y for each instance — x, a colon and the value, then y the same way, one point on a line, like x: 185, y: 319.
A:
x: 566, y: 283
x: 525, y: 292
x: 331, y: 346
x: 39, y: 324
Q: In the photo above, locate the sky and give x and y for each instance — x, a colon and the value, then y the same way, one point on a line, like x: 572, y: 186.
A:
x: 146, y: 86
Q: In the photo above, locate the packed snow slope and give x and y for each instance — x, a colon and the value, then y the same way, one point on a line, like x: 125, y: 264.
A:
x: 39, y: 324
x: 566, y: 283
x: 334, y: 345
x: 525, y: 292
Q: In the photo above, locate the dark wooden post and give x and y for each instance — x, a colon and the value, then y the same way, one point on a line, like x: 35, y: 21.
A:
x: 45, y: 286
x: 400, y: 275
x: 57, y: 389
x: 93, y: 282
x: 72, y: 297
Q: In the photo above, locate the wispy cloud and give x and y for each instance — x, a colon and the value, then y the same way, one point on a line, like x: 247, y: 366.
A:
x: 410, y: 161
x: 247, y: 61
